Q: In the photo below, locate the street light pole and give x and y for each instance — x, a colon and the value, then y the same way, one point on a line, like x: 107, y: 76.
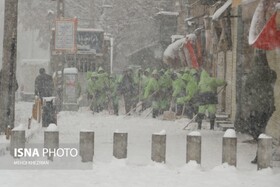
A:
x: 8, y: 75
x: 60, y: 8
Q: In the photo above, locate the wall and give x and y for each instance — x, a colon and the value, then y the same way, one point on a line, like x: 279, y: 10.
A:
x: 273, y: 127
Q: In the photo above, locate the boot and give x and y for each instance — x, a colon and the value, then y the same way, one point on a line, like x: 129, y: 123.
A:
x: 198, y: 119
x: 155, y: 113
x: 255, y: 160
x: 199, y: 125
x: 212, y: 123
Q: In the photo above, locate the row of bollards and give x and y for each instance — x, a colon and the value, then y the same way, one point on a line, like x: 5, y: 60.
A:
x: 158, y: 147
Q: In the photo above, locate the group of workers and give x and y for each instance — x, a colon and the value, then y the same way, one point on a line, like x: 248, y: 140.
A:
x: 188, y: 92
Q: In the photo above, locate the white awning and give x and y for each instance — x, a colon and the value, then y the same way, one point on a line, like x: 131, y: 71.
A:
x: 221, y: 10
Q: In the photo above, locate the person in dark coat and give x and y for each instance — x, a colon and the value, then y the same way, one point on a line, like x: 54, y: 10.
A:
x: 44, y: 86
x: 127, y: 89
x: 259, y: 97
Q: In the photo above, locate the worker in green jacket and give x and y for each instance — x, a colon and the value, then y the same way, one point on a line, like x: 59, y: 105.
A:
x: 165, y: 93
x: 91, y: 89
x: 178, y: 88
x: 102, y: 90
x: 152, y: 92
x: 145, y: 79
x: 207, y: 97
x: 191, y: 80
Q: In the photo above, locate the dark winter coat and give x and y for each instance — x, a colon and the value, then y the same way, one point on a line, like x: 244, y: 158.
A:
x: 259, y: 96
x: 44, y: 86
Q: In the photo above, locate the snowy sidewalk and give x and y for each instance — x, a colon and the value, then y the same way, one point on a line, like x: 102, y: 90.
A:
x: 138, y: 169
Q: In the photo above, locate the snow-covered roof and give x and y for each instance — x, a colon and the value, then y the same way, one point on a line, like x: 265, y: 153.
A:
x: 191, y: 37
x: 244, y: 2
x: 90, y: 29
x: 221, y: 10
x: 167, y: 13
x: 169, y: 51
x: 176, y: 36
x: 277, y: 6
x: 256, y: 24
x: 70, y: 71
x: 35, y: 61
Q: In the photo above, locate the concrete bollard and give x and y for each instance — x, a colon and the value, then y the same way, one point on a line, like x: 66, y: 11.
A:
x: 51, y: 140
x: 87, y: 145
x: 17, y: 140
x: 194, y: 147
x: 159, y: 147
x: 264, y: 152
x: 229, y: 147
x: 120, y: 145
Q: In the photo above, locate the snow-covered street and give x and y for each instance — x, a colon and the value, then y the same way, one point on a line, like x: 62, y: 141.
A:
x: 138, y: 169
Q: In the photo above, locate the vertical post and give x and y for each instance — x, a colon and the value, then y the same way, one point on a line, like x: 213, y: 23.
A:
x: 61, y: 56
x: 159, y: 147
x: 8, y: 72
x: 51, y: 140
x: 87, y: 145
x: 229, y: 147
x: 120, y: 145
x: 239, y: 56
x: 194, y: 147
x: 17, y: 141
x: 111, y: 54
x: 264, y: 153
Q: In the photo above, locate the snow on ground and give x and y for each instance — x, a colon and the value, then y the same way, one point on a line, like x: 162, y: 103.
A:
x: 138, y: 169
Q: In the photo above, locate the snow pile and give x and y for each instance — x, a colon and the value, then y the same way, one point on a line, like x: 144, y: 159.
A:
x: 162, y: 132
x: 264, y: 136
x: 194, y: 133
x: 86, y: 130
x: 20, y: 127
x: 118, y: 131
x: 52, y: 128
x: 230, y: 133
x: 172, y: 50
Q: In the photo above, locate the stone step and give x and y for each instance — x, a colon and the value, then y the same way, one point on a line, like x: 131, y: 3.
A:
x: 225, y: 127
x: 223, y: 122
x: 222, y: 116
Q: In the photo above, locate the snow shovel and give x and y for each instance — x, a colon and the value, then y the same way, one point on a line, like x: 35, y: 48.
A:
x: 137, y: 108
x: 190, y: 122
x: 169, y: 115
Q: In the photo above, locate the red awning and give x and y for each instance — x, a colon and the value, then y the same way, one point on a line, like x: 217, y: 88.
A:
x: 269, y: 37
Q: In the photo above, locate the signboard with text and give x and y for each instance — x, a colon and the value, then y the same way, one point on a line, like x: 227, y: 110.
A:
x: 65, y: 35
x: 90, y: 41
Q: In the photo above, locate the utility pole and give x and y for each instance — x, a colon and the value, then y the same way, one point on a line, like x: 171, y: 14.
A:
x: 60, y: 8
x: 60, y: 60
x: 179, y: 7
x: 8, y: 78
